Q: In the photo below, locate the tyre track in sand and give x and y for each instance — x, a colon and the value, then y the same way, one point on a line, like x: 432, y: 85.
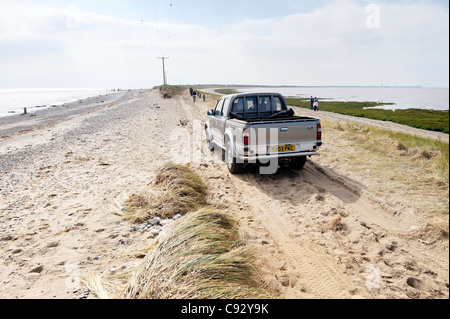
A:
x: 310, y: 272
x: 317, y: 274
x: 369, y: 209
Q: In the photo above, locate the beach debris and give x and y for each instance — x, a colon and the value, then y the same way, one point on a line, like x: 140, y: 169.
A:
x: 102, y: 163
x: 335, y: 222
x: 37, y: 269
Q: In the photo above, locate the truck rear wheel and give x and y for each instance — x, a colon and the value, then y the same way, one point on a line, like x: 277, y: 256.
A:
x: 297, y: 162
x: 233, y: 166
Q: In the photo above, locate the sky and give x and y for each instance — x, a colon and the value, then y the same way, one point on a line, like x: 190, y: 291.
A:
x: 116, y: 43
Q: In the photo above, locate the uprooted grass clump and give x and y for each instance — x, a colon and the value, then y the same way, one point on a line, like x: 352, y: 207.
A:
x: 175, y: 190
x: 201, y: 256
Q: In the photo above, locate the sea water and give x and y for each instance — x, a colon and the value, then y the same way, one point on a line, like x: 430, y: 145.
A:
x: 401, y: 97
x: 13, y: 101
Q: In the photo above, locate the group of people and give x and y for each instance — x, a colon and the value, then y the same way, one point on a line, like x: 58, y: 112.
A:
x: 314, y: 104
x: 195, y: 95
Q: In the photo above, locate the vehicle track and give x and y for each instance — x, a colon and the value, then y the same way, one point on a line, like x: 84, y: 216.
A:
x: 317, y: 274
x: 287, y: 217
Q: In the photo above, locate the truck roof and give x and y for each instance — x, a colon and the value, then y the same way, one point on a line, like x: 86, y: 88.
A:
x: 249, y: 94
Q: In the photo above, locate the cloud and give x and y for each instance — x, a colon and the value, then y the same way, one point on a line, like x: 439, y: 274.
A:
x: 331, y: 45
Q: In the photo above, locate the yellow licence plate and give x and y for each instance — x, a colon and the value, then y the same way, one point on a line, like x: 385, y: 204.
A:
x: 282, y: 149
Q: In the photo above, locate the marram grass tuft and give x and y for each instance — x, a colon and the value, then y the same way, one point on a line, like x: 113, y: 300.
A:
x: 202, y: 255
x: 175, y: 190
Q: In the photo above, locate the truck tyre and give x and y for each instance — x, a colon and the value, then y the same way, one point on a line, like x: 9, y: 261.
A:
x: 297, y: 162
x: 233, y: 166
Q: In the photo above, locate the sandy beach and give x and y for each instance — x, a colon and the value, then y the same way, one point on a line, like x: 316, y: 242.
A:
x: 62, y: 170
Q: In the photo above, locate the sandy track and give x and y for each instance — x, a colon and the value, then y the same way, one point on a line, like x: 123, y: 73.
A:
x: 287, y: 217
x: 56, y: 196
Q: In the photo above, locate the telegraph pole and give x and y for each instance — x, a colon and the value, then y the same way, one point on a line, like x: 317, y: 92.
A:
x: 164, y: 69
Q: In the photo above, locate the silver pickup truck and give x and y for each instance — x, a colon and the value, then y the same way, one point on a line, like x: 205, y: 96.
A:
x: 259, y: 128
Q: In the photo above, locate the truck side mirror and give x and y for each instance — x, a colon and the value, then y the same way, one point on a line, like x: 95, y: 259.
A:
x: 210, y: 112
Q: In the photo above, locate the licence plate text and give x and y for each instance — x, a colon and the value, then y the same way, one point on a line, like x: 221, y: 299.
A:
x: 282, y: 149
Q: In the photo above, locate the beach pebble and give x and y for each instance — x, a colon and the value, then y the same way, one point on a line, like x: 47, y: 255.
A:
x: 177, y: 216
x: 154, y: 221
x: 140, y: 227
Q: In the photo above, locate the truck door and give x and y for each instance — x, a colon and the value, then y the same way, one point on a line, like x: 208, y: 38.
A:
x: 216, y: 126
x: 222, y: 119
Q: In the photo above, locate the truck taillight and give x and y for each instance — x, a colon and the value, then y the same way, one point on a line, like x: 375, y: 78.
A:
x: 319, y: 132
x: 245, y: 136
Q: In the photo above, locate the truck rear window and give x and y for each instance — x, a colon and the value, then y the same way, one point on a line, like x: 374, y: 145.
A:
x: 277, y: 105
x: 251, y: 105
x: 258, y: 106
x: 238, y: 106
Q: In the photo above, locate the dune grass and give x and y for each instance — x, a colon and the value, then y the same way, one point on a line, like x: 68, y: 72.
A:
x: 175, y: 190
x: 424, y: 119
x: 203, y: 255
x: 170, y: 91
x: 400, y: 163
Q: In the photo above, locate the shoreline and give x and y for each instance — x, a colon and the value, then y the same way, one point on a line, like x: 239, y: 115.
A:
x: 385, y: 102
x: 20, y: 123
x: 14, y: 101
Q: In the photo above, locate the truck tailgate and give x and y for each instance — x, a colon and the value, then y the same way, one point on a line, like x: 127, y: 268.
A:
x: 284, y: 132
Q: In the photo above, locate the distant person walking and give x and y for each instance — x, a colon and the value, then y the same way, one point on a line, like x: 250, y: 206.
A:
x: 194, y: 94
x: 316, y: 104
x: 312, y: 103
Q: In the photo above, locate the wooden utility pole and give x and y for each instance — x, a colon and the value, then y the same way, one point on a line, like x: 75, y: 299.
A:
x: 164, y: 69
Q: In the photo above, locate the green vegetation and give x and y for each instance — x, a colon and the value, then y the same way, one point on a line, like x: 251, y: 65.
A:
x: 424, y: 119
x: 432, y: 153
x: 436, y: 153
